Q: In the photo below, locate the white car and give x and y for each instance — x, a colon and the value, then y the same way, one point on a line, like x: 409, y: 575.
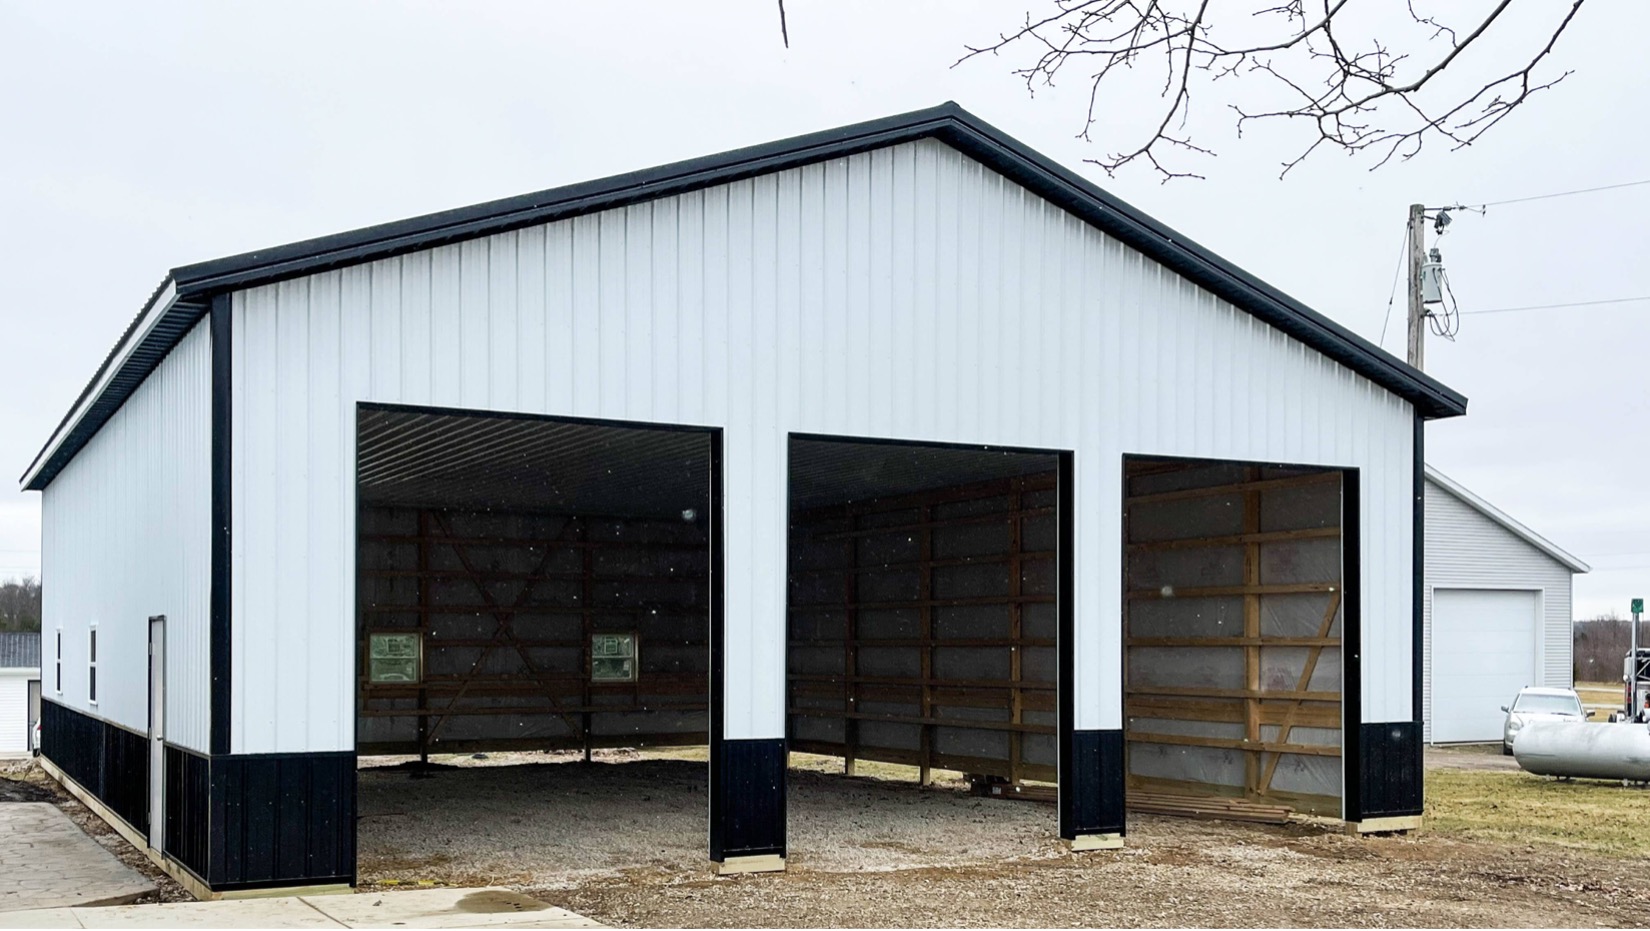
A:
x: 1538, y: 704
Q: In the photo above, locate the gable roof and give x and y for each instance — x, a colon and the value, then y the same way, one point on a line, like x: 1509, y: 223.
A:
x: 1500, y: 517
x: 20, y: 650
x: 184, y: 295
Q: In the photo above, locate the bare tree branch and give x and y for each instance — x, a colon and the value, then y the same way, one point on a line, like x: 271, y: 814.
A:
x: 1356, y: 91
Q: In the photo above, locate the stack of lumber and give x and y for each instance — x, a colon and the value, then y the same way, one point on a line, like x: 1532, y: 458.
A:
x: 1209, y: 806
x: 1184, y: 806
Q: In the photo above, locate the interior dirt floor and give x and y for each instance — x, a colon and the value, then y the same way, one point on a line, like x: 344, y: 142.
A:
x: 622, y: 841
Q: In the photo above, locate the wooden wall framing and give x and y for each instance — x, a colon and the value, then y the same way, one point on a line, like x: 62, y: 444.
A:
x: 506, y: 604
x: 1232, y: 631
x: 922, y: 630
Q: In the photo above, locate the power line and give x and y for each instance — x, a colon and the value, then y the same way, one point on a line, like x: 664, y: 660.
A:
x: 1525, y: 200
x: 1510, y: 310
x: 1403, y: 244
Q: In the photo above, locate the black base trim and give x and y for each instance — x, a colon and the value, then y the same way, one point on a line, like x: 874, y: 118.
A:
x: 1092, y: 785
x: 282, y: 819
x: 236, y: 822
x: 188, y: 835
x: 1390, y: 771
x: 747, y: 798
x: 107, y: 760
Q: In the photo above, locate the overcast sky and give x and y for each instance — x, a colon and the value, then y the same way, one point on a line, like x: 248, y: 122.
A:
x: 138, y: 137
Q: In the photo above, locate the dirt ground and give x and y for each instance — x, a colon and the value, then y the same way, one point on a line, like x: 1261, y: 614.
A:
x: 1486, y: 758
x: 25, y: 781
x: 556, y: 824
x: 622, y: 841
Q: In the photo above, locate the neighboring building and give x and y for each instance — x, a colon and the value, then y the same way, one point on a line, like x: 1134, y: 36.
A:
x: 1497, y: 613
x: 19, y: 690
x: 897, y: 441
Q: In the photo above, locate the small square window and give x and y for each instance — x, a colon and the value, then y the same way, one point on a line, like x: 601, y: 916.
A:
x: 395, y: 658
x: 613, y: 658
x: 91, y: 668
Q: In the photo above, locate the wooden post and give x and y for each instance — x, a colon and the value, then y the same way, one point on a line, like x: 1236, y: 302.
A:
x: 587, y: 591
x: 1251, y: 633
x: 850, y: 660
x: 1016, y: 632
x: 423, y: 583
x: 925, y: 592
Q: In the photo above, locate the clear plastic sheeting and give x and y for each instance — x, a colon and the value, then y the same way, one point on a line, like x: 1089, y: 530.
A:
x: 1302, y: 775
x: 1186, y: 617
x: 1233, y: 617
x: 1200, y: 667
x: 1186, y: 765
x: 941, y: 615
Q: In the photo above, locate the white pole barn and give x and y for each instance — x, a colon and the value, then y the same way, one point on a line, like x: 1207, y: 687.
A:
x: 754, y: 339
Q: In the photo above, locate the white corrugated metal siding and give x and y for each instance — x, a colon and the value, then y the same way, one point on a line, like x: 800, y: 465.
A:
x: 1466, y: 549
x: 126, y: 534
x: 907, y: 292
x: 14, y: 712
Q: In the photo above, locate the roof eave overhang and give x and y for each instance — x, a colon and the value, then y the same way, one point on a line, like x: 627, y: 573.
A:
x: 165, y: 318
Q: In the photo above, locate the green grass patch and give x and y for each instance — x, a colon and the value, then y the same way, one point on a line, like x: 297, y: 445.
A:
x: 1603, y: 817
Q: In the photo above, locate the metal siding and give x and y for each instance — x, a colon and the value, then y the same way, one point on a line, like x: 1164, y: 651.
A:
x: 126, y: 535
x: 14, y: 712
x: 1465, y: 549
x: 905, y: 293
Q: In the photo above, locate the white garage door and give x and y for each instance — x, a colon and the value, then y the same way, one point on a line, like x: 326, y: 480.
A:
x: 1483, y: 652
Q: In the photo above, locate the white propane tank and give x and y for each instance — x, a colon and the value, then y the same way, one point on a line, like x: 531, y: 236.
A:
x: 1584, y: 750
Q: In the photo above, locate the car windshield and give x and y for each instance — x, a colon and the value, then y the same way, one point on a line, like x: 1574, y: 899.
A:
x: 1548, y: 704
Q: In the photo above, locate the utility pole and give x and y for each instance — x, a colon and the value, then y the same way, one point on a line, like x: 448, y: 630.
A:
x: 1417, y: 310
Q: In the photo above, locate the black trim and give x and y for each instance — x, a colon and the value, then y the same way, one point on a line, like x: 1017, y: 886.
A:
x: 747, y: 798
x: 1352, y: 639
x: 188, y: 835
x: 177, y: 321
x: 1070, y: 786
x: 222, y: 532
x: 108, y: 760
x: 947, y: 123
x: 1418, y: 569
x: 1092, y: 783
x: 524, y: 415
x: 1390, y: 770
x: 282, y: 819
x: 922, y: 444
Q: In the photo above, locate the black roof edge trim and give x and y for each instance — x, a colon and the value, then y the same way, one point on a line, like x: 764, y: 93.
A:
x: 423, y: 232
x: 948, y: 123
x: 1201, y: 265
x: 103, y: 367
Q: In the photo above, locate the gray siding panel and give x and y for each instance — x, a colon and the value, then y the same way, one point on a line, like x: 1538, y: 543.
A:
x: 1466, y: 549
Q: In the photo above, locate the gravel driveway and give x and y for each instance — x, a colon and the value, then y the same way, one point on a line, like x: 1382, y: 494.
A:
x: 623, y: 842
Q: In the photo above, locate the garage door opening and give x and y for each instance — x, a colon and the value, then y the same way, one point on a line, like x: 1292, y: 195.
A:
x: 922, y: 643
x: 533, y: 640
x: 1233, y: 606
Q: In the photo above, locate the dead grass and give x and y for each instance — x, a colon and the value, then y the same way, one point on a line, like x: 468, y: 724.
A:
x: 1596, y: 816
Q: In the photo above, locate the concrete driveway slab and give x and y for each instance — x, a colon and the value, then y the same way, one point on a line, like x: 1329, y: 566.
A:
x: 236, y: 913
x: 48, y: 862
x: 446, y: 908
x: 423, y: 908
